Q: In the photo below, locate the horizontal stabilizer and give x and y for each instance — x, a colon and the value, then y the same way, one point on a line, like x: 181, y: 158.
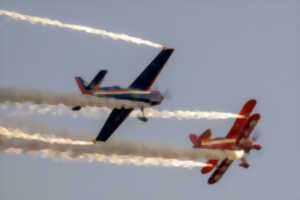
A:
x: 196, y: 140
x: 96, y: 82
x: 205, y: 135
x: 85, y: 88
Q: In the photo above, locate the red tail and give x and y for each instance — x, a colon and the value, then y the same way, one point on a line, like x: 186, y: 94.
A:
x: 196, y: 140
x: 82, y: 85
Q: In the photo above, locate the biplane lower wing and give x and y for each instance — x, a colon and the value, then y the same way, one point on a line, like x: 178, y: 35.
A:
x: 211, y: 164
x: 219, y: 172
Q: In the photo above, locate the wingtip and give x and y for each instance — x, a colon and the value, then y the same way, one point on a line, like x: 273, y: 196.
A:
x: 209, y: 182
x: 248, y: 108
x: 252, y: 101
x: 166, y: 48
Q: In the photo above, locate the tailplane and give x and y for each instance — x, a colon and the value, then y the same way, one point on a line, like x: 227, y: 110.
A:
x: 86, y: 88
x: 205, y: 135
x: 196, y: 140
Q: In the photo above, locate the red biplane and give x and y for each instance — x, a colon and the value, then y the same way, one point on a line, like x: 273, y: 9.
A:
x: 236, y: 139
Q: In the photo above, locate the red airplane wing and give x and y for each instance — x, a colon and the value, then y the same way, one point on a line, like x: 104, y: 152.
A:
x: 211, y: 164
x: 240, y: 123
x: 219, y: 172
x: 250, y: 125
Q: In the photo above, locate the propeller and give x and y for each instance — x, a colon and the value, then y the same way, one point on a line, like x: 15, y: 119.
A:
x: 167, y: 94
x: 256, y: 136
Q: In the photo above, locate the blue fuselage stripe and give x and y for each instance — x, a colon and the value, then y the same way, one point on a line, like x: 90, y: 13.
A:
x: 152, y: 98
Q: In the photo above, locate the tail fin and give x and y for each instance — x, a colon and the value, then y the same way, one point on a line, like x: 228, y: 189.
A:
x: 82, y: 85
x: 86, y: 88
x: 196, y: 140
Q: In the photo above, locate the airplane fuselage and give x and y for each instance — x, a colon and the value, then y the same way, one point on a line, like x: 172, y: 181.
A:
x: 218, y: 143
x: 228, y: 144
x: 129, y: 97
x: 124, y: 100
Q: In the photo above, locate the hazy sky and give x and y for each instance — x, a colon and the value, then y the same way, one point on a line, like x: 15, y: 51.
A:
x: 226, y: 53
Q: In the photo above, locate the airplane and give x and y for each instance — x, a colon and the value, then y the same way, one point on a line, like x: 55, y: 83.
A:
x: 137, y: 95
x: 236, y: 139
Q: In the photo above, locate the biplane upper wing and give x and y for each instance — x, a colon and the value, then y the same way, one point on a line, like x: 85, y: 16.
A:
x: 240, y: 123
x: 145, y: 80
x: 219, y: 172
x: 116, y: 117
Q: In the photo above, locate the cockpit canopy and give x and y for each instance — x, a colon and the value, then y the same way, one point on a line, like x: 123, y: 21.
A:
x: 111, y: 88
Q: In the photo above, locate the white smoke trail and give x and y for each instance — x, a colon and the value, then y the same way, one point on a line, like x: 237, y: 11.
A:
x: 35, y: 142
x: 41, y: 97
x: 96, y: 113
x: 94, y: 31
x: 37, y: 137
x: 113, y: 159
x: 19, y: 142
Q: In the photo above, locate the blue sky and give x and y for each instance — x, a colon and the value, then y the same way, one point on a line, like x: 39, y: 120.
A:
x: 226, y: 53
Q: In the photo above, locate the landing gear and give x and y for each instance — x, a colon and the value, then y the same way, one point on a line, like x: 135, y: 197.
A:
x: 143, y: 118
x: 257, y: 147
x: 244, y: 163
x: 76, y: 108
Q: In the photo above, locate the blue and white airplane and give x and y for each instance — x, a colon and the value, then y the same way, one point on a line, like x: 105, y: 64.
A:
x: 137, y: 95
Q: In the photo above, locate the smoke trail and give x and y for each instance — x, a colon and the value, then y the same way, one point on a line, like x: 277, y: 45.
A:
x: 66, y: 151
x: 17, y: 95
x: 41, y: 97
x: 96, y: 113
x: 94, y: 31
x: 37, y: 137
x: 113, y: 159
x: 78, y: 147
